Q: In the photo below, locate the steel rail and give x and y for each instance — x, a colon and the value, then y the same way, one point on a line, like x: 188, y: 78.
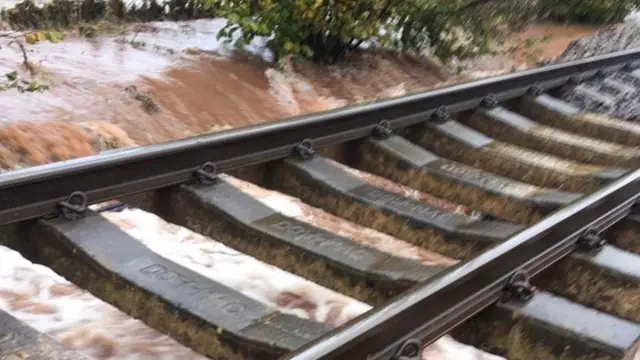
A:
x: 432, y: 309
x: 37, y: 191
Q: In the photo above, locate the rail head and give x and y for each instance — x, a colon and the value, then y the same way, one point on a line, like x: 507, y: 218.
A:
x: 431, y: 309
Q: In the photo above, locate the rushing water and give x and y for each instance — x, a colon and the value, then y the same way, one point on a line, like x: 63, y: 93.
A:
x: 161, y: 81
x: 169, y: 80
x: 174, y: 94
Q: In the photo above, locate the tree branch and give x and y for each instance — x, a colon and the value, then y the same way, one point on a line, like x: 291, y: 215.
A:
x: 25, y: 59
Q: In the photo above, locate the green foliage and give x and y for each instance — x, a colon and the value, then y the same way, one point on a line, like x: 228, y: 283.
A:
x: 530, y: 48
x: 55, y: 14
x: 12, y: 81
x: 588, y: 11
x: 34, y: 37
x: 321, y: 28
x: 326, y: 30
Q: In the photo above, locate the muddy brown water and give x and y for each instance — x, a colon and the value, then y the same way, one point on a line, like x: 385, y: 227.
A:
x: 559, y: 37
x: 169, y: 80
x: 194, y: 93
x: 171, y: 85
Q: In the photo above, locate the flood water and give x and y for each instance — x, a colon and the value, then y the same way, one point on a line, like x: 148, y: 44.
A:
x: 171, y: 80
x: 161, y: 81
x: 155, y: 91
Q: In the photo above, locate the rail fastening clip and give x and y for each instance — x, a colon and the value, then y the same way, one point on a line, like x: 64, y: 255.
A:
x: 519, y: 288
x: 605, y: 72
x: 304, y: 150
x: 591, y: 241
x: 382, y: 130
x: 441, y: 115
x: 207, y: 174
x: 575, y: 79
x: 409, y: 350
x: 536, y: 90
x: 490, y: 102
x: 74, y: 206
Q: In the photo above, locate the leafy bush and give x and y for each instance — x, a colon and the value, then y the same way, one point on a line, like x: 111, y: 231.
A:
x: 14, y: 82
x: 323, y: 29
x: 463, y: 29
x: 589, y: 11
x: 326, y: 29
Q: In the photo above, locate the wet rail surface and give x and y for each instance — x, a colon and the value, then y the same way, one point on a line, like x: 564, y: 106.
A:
x: 491, y: 220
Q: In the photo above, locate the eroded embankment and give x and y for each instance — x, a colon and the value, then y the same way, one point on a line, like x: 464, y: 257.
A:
x: 161, y: 81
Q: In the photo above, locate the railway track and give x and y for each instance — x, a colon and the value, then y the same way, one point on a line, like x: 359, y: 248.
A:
x: 489, y: 220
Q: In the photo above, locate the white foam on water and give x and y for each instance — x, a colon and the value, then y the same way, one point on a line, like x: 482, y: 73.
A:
x: 52, y: 305
x: 262, y: 282
x: 294, y: 208
x: 633, y: 17
x: 268, y: 284
x: 198, y: 34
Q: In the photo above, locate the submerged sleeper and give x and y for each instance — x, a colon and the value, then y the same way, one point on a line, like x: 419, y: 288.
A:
x: 268, y: 284
x: 47, y: 302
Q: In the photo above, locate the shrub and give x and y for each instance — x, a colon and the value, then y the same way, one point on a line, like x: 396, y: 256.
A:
x: 323, y: 29
x: 463, y: 29
x: 326, y: 30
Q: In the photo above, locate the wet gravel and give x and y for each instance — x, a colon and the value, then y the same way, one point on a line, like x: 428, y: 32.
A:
x: 616, y: 101
x: 613, y: 38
